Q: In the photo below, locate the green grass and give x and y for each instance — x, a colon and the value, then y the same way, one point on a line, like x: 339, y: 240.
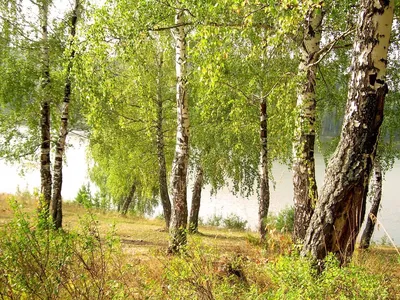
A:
x: 105, y: 256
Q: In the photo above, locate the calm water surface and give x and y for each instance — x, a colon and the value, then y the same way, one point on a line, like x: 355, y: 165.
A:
x: 225, y: 203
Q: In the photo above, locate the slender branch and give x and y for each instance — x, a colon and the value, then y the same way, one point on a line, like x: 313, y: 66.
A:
x: 375, y: 220
x: 166, y: 3
x: 133, y: 105
x: 126, y: 117
x: 34, y: 2
x: 170, y: 27
x: 20, y: 31
x: 256, y: 10
x: 210, y: 24
x: 189, y: 12
x: 328, y: 47
x: 272, y: 88
x: 323, y: 79
x: 78, y: 134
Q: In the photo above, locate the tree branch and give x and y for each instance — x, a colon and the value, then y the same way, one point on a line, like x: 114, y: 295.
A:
x: 170, y: 27
x: 210, y: 24
x: 328, y: 47
x: 78, y: 134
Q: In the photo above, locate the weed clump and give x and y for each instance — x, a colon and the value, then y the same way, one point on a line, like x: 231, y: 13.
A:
x: 283, y: 221
x: 296, y: 278
x: 232, y: 221
x: 39, y: 262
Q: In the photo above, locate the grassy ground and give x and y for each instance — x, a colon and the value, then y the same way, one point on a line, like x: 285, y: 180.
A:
x: 220, y: 264
x: 137, y: 234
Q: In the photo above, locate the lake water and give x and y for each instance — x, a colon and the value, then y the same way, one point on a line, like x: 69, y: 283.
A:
x: 75, y: 172
x: 223, y: 202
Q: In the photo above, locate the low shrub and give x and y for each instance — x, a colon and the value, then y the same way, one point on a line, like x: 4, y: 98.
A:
x: 234, y: 222
x: 39, y: 262
x: 84, y: 196
x: 215, y: 221
x: 284, y: 221
x: 203, y: 273
x: 296, y: 278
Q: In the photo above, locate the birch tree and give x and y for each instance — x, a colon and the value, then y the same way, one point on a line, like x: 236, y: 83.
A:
x: 180, y: 164
x: 45, y: 163
x: 38, y: 45
x: 56, y: 204
x: 196, y: 200
x: 128, y: 75
x: 376, y: 195
x: 264, y: 199
x: 338, y: 24
x: 237, y: 129
x: 304, y: 184
x: 340, y: 209
x: 162, y: 175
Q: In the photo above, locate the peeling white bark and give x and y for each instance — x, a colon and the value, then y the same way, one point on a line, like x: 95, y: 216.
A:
x: 340, y: 209
x: 304, y: 183
x: 56, y: 205
x: 179, y: 167
x: 196, y: 200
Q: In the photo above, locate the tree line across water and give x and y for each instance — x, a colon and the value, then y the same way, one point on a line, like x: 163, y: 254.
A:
x: 164, y: 90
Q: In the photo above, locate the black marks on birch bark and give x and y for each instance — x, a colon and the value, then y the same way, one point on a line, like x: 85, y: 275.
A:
x: 56, y: 202
x: 196, y: 200
x: 45, y: 163
x: 178, y: 224
x: 264, y: 200
x: 341, y: 207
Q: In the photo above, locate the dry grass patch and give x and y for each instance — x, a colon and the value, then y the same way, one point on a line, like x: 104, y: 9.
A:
x: 381, y: 260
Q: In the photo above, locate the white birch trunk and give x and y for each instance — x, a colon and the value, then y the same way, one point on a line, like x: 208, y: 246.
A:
x: 263, y: 205
x: 196, y: 200
x: 340, y: 210
x: 304, y: 184
x: 45, y: 163
x: 56, y: 205
x: 179, y: 167
x: 376, y: 197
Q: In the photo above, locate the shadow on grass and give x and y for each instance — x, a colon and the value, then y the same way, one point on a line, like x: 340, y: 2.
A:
x: 218, y: 236
x: 141, y: 242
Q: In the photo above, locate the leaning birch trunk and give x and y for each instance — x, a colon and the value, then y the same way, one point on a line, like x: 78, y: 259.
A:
x: 178, y: 238
x: 162, y: 172
x: 196, y: 200
x: 128, y: 201
x: 56, y: 205
x: 45, y: 163
x: 338, y: 216
x: 304, y: 184
x: 263, y: 205
x: 376, y: 195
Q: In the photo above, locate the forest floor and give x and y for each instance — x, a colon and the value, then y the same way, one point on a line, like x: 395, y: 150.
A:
x: 239, y: 253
